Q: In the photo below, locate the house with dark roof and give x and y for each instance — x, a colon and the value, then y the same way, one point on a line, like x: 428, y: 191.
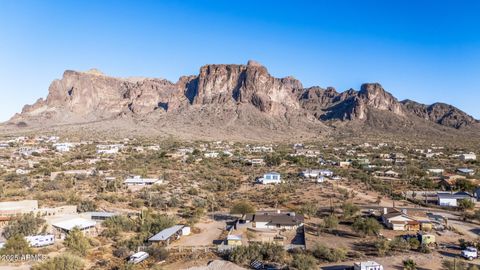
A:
x: 275, y: 220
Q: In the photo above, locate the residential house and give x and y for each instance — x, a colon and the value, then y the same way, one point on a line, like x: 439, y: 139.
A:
x: 22, y: 171
x: 260, y: 149
x: 435, y: 171
x: 255, y: 161
x: 398, y: 220
x: 344, y: 164
x: 13, y: 208
x: 275, y: 220
x: 391, y: 173
x: 465, y: 171
x: 137, y: 180
x: 468, y: 157
x: 63, y: 147
x: 211, y: 154
x: 368, y: 265
x: 270, y: 178
x: 449, y: 181
x: 109, y: 149
x: 452, y: 199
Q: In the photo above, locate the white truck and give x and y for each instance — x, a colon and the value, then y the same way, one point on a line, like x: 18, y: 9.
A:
x: 470, y: 253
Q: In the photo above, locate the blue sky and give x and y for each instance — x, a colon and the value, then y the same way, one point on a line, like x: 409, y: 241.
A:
x: 427, y: 51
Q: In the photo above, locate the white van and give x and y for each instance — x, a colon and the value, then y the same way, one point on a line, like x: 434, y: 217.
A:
x: 138, y: 257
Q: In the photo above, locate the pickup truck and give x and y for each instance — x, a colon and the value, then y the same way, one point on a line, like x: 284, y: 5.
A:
x: 470, y: 253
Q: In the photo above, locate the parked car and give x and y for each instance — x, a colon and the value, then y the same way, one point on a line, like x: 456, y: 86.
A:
x: 470, y: 253
x: 138, y: 257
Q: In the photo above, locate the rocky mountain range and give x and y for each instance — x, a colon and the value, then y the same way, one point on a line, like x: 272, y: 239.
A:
x: 223, y: 100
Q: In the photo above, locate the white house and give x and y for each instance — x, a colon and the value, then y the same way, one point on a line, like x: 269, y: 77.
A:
x: 40, y: 240
x: 316, y: 173
x: 270, y: 178
x: 399, y: 220
x: 109, y: 149
x: 211, y: 154
x: 435, y: 171
x: 466, y: 171
x: 368, y: 265
x: 22, y: 171
x: 449, y: 199
x: 63, y: 147
x: 137, y: 180
x: 469, y: 156
x: 256, y: 161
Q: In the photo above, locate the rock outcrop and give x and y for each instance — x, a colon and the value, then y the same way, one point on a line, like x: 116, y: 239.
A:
x: 440, y: 113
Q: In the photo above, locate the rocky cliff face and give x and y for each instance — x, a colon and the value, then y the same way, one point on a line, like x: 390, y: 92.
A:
x: 232, y: 94
x: 251, y: 83
x: 440, y: 113
x: 328, y: 104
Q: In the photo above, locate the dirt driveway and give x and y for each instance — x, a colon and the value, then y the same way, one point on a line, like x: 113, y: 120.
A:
x: 210, y: 230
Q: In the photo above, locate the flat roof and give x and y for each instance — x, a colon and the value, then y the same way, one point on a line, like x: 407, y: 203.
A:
x: 70, y: 223
x: 16, y: 205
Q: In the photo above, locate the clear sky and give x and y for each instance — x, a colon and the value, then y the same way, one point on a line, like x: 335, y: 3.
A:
x: 427, y: 51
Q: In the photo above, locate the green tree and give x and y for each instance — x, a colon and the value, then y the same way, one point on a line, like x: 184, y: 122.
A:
x: 77, y: 242
x: 329, y: 254
x: 86, y: 206
x: 242, y: 207
x: 414, y: 243
x: 409, y: 264
x: 349, y: 210
x: 330, y: 222
x: 273, y: 160
x: 309, y: 209
x: 27, y: 224
x: 303, y: 261
x: 399, y: 244
x: 158, y: 252
x: 382, y: 246
x: 16, y: 244
x: 366, y: 226
x: 466, y: 204
x: 61, y: 262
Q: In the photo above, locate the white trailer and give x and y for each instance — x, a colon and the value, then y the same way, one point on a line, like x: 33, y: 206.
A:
x: 40, y: 240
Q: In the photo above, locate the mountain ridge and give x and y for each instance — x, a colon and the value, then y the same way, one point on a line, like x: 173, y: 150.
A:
x: 232, y: 95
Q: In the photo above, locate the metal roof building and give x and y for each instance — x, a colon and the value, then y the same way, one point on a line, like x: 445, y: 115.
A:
x: 168, y: 234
